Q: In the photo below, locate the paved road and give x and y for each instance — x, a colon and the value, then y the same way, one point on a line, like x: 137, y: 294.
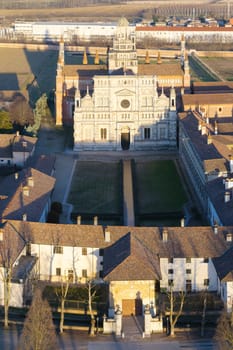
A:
x: 9, y: 340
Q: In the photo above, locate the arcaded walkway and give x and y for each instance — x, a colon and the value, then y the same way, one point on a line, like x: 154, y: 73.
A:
x: 129, y: 219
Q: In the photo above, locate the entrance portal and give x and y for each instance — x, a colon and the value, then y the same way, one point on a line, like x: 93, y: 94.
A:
x: 125, y: 138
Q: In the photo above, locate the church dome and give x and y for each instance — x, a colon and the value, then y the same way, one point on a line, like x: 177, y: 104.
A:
x: 123, y: 22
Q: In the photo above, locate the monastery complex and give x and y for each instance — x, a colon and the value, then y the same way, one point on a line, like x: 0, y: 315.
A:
x: 121, y: 104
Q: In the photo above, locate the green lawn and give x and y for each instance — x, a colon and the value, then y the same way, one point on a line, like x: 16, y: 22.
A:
x: 198, y: 72
x: 96, y: 188
x: 158, y: 186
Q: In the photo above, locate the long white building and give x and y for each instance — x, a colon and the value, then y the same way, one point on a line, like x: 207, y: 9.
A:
x: 52, y: 31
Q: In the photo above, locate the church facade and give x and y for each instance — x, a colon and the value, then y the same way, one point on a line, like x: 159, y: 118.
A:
x: 124, y: 104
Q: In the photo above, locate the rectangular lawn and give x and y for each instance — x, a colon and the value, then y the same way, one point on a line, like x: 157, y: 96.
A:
x: 159, y: 188
x: 96, y: 188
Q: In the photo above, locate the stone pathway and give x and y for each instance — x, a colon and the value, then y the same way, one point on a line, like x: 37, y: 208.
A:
x: 133, y: 327
x: 128, y: 205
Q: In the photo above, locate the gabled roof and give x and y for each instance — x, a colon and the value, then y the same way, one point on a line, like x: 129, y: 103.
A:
x: 10, y: 143
x: 208, y: 99
x: 12, y: 244
x: 130, y: 253
x: 224, y: 266
x: 164, y: 69
x: 22, y: 143
x: 46, y: 164
x: 216, y: 191
x: 18, y: 202
x: 132, y: 261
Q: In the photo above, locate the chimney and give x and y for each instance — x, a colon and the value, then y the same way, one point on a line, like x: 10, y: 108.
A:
x: 79, y: 220
x: 26, y: 191
x: 230, y: 163
x: 228, y: 183
x: 227, y: 196
x: 17, y: 133
x: 24, y: 217
x: 229, y: 237
x: 107, y: 236
x: 30, y: 181
x: 182, y: 222
x: 165, y: 235
x: 209, y: 139
x: 215, y: 127
x: 95, y: 220
x: 215, y: 228
x: 203, y: 129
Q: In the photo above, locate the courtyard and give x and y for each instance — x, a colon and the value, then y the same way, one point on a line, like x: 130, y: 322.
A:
x: 96, y: 190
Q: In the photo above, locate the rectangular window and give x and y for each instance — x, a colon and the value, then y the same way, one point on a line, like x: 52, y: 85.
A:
x: 103, y: 134
x: 188, y: 271
x: 188, y: 260
x: 84, y: 251
x: 146, y: 133
x: 170, y: 282
x: 58, y: 271
x: 206, y: 281
x: 206, y: 260
x: 70, y: 276
x: 170, y: 271
x: 162, y: 132
x: 57, y: 249
x: 188, y: 286
x: 170, y: 260
x: 84, y: 273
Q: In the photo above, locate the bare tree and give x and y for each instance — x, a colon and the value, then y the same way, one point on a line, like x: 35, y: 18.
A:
x: 91, y: 288
x: 38, y: 331
x: 224, y: 331
x: 172, y: 301
x: 61, y: 292
x: 10, y: 247
x: 204, y: 298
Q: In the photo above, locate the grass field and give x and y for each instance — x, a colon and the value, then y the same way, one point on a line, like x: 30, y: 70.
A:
x: 198, y: 72
x: 223, y: 66
x: 159, y: 188
x: 96, y: 188
x: 32, y: 72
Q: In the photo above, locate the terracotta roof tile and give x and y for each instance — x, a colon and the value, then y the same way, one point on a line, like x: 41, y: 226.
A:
x: 18, y: 202
x: 214, y: 99
x: 183, y: 29
x: 224, y: 266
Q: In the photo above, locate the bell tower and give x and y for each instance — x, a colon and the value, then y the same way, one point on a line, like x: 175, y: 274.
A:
x: 123, y: 54
x: 59, y: 83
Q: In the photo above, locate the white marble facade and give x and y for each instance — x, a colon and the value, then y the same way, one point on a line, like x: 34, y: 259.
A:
x: 123, y: 110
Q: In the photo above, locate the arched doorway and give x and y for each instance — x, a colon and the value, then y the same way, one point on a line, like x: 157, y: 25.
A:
x: 125, y: 138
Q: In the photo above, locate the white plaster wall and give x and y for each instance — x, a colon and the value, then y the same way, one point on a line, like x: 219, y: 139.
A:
x: 16, y: 297
x: 71, y: 259
x: 199, y: 271
x: 229, y: 296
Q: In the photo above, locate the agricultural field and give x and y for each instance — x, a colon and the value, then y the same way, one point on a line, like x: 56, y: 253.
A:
x: 31, y: 72
x: 159, y: 188
x: 223, y: 66
x: 96, y: 189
